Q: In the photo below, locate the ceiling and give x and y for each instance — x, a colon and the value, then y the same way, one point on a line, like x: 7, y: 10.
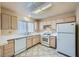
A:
x: 27, y: 8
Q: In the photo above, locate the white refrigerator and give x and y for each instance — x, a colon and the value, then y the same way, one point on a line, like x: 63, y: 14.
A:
x: 66, y: 38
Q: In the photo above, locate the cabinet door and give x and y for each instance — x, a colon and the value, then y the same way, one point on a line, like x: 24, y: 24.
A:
x: 29, y: 42
x: 6, y: 22
x: 14, y: 23
x: 1, y: 51
x: 52, y: 42
x: 37, y: 24
x: 41, y: 26
x: 8, y: 49
x: 34, y: 40
x: 69, y: 19
x: 37, y: 38
x: 0, y: 21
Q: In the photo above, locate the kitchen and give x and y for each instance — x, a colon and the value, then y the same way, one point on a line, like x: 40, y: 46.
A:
x: 33, y: 29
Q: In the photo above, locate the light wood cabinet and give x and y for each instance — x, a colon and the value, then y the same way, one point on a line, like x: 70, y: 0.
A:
x: 36, y: 39
x: 52, y: 41
x: 69, y: 19
x: 48, y: 22
x: 37, y: 25
x: 29, y: 42
x: 0, y: 21
x: 6, y: 22
x: 41, y: 26
x: 32, y: 40
x: 9, y: 22
x: 1, y: 51
x: 14, y: 22
x: 8, y: 49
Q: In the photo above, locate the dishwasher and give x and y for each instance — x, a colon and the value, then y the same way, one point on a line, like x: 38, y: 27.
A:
x: 20, y: 45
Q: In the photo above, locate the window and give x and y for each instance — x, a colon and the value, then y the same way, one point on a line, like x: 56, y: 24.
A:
x: 22, y: 26
x: 30, y: 27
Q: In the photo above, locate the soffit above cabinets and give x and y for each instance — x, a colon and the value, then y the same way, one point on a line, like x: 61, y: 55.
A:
x: 27, y: 8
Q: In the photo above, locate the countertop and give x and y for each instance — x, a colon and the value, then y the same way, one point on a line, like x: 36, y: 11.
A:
x: 4, y: 38
x: 54, y: 34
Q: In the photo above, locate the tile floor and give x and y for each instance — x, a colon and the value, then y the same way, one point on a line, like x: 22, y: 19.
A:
x: 40, y: 51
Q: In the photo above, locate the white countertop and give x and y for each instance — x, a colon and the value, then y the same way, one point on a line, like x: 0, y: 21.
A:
x: 4, y: 38
x: 53, y: 34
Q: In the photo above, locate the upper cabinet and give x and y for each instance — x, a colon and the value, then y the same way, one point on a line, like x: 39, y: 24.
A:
x: 70, y: 19
x: 0, y: 21
x: 41, y: 26
x: 9, y: 22
x: 14, y: 22
x: 37, y: 25
x: 1, y: 51
x: 6, y: 22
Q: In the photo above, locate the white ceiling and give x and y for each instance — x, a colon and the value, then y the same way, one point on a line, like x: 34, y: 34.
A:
x: 26, y: 8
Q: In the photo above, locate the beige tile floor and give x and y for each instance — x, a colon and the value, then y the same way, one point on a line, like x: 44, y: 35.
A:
x: 40, y: 51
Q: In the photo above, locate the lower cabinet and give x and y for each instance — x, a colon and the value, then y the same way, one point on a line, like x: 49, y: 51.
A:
x: 29, y: 42
x: 36, y: 39
x: 15, y: 46
x: 32, y: 40
x: 1, y: 51
x: 52, y: 41
x: 8, y: 49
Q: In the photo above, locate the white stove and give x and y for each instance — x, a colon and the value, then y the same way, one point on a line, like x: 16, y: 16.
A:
x: 45, y: 39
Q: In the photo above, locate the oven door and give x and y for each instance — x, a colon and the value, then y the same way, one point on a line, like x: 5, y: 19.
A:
x: 45, y: 41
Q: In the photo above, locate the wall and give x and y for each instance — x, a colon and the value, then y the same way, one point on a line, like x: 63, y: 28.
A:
x: 77, y: 21
x: 66, y: 17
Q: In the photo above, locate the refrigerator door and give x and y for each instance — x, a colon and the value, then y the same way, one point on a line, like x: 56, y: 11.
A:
x: 66, y: 38
x: 66, y: 27
x: 59, y: 43
x: 66, y: 44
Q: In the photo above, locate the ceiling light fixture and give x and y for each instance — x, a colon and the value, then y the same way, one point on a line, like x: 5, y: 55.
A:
x: 41, y: 9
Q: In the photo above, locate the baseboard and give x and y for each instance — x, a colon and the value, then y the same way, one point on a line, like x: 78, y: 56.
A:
x: 63, y: 54
x: 52, y: 47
